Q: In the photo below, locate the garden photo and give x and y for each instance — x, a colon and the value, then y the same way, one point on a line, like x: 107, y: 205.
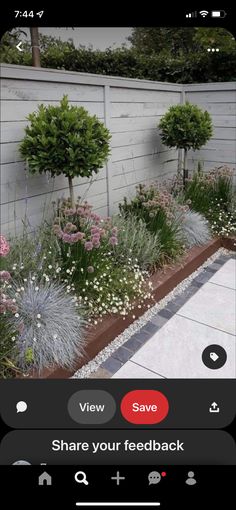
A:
x: 118, y: 203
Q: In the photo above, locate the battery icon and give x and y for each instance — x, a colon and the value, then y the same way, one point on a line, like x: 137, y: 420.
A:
x: 218, y: 14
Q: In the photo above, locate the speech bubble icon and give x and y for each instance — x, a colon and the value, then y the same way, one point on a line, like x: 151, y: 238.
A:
x: 154, y: 477
x: 21, y: 406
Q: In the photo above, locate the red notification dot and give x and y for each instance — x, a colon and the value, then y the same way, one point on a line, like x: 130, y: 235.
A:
x: 163, y: 473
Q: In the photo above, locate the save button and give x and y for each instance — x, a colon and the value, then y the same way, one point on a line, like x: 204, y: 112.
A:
x: 144, y: 407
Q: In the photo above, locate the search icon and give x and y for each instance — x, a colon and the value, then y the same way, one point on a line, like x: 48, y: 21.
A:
x: 80, y: 477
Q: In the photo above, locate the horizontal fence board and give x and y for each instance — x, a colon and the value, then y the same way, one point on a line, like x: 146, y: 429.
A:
x: 46, y: 91
x: 37, y: 204
x: 120, y: 95
x: 134, y: 151
x: 224, y: 134
x: 133, y: 178
x: 221, y: 96
x: 138, y: 109
x: 13, y: 172
x: 214, y: 155
x: 12, y: 131
x: 131, y: 165
x: 219, y: 108
x: 130, y: 190
x: 224, y: 120
x: 127, y: 124
x: 19, y: 110
x: 21, y: 189
x: 134, y: 137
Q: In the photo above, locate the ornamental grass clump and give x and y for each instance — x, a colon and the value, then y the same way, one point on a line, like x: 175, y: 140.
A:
x: 49, y: 326
x: 194, y: 229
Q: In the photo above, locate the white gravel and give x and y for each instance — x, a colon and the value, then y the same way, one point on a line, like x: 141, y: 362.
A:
x: 93, y: 365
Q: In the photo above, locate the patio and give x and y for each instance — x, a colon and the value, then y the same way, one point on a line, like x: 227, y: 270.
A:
x: 170, y: 345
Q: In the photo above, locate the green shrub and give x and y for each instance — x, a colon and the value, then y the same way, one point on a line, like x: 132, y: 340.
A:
x: 65, y: 140
x: 136, y: 242
x: 185, y: 126
x: 157, y: 208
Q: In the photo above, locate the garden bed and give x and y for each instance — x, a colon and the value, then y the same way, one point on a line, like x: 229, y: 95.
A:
x: 163, y: 281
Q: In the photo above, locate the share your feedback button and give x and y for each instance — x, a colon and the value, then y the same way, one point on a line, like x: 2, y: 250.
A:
x: 91, y: 407
x: 144, y: 407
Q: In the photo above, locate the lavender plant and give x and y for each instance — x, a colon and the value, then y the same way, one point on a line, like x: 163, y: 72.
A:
x: 194, y: 229
x: 49, y: 325
x: 136, y: 242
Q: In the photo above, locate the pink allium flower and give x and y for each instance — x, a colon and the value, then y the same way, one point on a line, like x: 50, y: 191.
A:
x: 88, y: 245
x: 80, y: 235
x: 95, y: 239
x: 5, y: 276
x: 4, y: 246
x: 95, y: 230
x: 113, y: 240
x: 66, y: 238
x: 70, y: 227
x: 2, y: 308
x: 90, y: 269
x: 114, y: 231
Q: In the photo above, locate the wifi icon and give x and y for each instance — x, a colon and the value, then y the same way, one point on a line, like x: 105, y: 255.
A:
x: 204, y: 13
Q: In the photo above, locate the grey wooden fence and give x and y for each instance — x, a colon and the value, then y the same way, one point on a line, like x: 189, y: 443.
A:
x: 130, y: 108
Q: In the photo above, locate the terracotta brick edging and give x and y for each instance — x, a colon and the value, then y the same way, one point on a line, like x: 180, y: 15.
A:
x: 163, y: 281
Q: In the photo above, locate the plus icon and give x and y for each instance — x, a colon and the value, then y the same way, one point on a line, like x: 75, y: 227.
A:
x: 118, y: 478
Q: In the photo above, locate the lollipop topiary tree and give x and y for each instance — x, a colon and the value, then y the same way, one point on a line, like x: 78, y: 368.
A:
x: 65, y: 140
x: 186, y: 126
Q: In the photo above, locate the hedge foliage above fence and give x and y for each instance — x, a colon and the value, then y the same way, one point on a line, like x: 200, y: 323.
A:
x: 194, y: 67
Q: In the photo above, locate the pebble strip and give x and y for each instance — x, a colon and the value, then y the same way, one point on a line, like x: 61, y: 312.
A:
x: 92, y: 366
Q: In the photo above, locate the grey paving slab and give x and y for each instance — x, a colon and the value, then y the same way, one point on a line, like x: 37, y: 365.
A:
x: 133, y: 371
x: 111, y: 364
x: 122, y: 354
x: 226, y: 276
x: 175, y: 351
x: 133, y: 344
x: 214, y: 306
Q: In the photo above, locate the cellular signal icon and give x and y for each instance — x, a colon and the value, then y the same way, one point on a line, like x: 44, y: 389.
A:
x: 191, y: 14
x: 203, y: 13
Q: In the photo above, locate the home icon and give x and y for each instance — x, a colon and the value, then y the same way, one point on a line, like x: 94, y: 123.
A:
x: 45, y: 479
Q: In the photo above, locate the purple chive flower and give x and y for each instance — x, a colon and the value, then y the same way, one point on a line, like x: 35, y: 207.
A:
x: 88, y: 245
x: 5, y: 276
x: 113, y: 240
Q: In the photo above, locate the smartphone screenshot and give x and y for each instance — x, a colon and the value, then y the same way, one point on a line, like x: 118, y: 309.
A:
x: 118, y: 259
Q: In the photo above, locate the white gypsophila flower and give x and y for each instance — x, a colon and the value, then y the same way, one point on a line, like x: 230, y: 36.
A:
x: 58, y: 316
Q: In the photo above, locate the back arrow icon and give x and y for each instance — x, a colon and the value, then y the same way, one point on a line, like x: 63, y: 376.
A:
x: 19, y: 46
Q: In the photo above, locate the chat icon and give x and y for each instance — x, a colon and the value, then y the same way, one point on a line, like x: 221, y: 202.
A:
x: 154, y: 477
x: 21, y: 406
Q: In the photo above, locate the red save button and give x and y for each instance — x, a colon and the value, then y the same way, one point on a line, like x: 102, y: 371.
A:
x: 144, y: 407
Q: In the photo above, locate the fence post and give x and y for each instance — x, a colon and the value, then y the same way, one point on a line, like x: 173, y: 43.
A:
x: 107, y: 118
x: 181, y: 151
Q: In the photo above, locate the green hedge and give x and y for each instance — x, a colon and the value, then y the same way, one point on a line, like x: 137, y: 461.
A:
x: 192, y: 68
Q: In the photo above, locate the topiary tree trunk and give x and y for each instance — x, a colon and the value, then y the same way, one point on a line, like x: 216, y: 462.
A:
x: 71, y: 188
x: 185, y: 170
